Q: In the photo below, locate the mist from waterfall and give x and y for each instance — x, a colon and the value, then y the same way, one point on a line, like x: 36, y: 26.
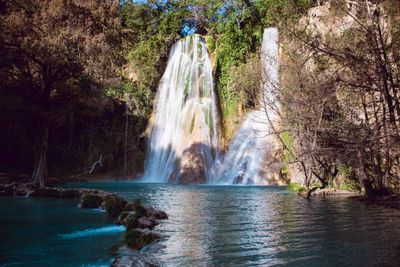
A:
x: 183, y: 144
x: 244, y: 160
x: 185, y: 124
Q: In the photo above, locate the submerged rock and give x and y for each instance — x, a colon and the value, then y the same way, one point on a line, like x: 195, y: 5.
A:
x: 127, y: 257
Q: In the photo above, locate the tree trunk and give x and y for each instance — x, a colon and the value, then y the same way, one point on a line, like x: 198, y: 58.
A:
x: 365, y: 182
x: 40, y: 172
x: 126, y: 139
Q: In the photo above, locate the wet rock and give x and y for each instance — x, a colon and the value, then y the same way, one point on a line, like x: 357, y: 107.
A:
x: 158, y: 214
x: 192, y: 165
x: 91, y: 201
x: 145, y: 222
x: 23, y: 189
x: 137, y: 208
x: 332, y: 192
x: 122, y: 217
x: 129, y: 219
x: 114, y: 205
x: 70, y: 193
x: 47, y: 192
x: 139, y: 238
x: 7, y: 189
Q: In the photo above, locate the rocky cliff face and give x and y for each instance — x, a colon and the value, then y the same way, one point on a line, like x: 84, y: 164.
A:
x: 324, y: 55
x: 321, y: 24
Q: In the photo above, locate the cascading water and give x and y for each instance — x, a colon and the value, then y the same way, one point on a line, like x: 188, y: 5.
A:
x: 244, y: 160
x: 183, y: 142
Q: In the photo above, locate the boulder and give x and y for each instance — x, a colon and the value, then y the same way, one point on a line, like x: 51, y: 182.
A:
x: 139, y: 238
x: 145, y: 222
x: 192, y: 165
x: 114, y: 205
x: 70, y: 193
x: 24, y: 189
x: 91, y: 201
x: 158, y: 214
x: 137, y: 208
x: 7, y: 190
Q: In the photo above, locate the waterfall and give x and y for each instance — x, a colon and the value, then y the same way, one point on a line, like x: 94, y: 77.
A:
x: 183, y: 143
x: 245, y: 158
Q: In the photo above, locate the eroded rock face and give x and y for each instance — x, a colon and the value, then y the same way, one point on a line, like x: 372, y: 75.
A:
x: 194, y: 164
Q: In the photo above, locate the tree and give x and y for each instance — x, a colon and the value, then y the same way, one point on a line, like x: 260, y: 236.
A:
x: 340, y: 95
x: 47, y: 44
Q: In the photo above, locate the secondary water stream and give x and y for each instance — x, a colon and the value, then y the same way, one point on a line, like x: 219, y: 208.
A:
x: 183, y: 144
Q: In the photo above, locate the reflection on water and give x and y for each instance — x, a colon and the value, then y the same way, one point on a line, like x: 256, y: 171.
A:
x: 265, y: 226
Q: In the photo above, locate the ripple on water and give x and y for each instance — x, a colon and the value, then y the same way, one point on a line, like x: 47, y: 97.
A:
x: 266, y: 226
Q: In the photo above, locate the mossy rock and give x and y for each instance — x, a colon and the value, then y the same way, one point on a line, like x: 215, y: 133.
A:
x: 91, y: 201
x: 122, y: 217
x: 114, y: 205
x: 131, y: 221
x: 137, y: 208
x: 138, y: 238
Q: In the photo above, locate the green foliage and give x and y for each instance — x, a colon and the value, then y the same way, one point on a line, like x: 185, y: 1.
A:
x: 297, y: 188
x: 234, y: 32
x: 347, y: 179
x: 288, y: 142
x: 245, y: 80
x: 150, y: 33
x: 112, y: 92
x: 140, y: 98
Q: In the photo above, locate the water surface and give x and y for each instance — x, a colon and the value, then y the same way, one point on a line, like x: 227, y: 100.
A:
x: 53, y: 232
x: 266, y: 226
x: 207, y: 226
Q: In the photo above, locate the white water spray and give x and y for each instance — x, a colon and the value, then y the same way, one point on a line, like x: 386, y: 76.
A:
x: 183, y: 142
x: 244, y: 161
